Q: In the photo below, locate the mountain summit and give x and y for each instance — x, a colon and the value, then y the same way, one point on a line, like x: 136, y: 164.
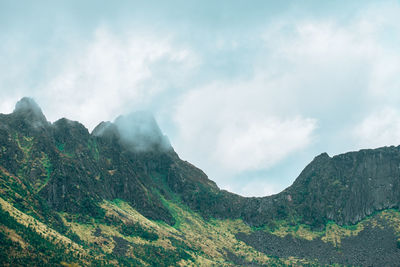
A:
x: 28, y: 108
x: 138, y: 131
x: 122, y: 196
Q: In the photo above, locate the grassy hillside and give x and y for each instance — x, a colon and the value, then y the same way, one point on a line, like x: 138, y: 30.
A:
x: 126, y: 237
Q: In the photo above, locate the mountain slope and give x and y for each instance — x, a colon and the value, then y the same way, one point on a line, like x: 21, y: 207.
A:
x: 122, y: 195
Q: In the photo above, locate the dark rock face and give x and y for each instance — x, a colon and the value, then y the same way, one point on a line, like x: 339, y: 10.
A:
x: 347, y: 187
x: 373, y: 246
x: 88, y: 169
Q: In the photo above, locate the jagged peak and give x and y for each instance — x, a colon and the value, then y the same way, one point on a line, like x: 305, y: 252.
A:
x: 139, y: 131
x: 106, y: 129
x: 65, y: 123
x: 30, y: 109
x: 322, y: 156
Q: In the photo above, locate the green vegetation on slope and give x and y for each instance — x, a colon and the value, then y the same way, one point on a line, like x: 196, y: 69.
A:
x: 125, y: 237
x: 45, y: 161
x: 92, y: 145
x: 28, y: 242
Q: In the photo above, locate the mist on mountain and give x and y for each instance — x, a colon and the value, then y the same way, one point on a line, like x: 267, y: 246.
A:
x: 138, y: 131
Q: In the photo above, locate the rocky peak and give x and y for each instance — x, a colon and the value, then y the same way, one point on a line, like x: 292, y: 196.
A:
x: 322, y: 157
x: 348, y: 187
x: 70, y: 132
x: 30, y: 110
x: 69, y: 125
x: 139, y: 131
x: 106, y: 129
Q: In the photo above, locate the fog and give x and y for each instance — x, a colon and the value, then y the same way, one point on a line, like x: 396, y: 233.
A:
x: 28, y: 105
x: 138, y: 131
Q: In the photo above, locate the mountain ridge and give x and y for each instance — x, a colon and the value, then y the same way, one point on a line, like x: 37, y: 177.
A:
x: 55, y: 171
x: 70, y: 133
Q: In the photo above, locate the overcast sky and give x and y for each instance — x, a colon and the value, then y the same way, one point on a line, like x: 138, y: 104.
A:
x: 249, y: 91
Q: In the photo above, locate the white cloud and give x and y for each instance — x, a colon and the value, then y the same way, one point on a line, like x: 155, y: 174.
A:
x: 111, y: 75
x: 239, y: 101
x: 340, y: 59
x: 381, y: 128
x: 308, y: 71
x: 255, y: 188
x: 260, y: 143
x: 233, y: 128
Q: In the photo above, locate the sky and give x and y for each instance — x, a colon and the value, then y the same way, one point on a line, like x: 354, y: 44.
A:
x: 248, y: 91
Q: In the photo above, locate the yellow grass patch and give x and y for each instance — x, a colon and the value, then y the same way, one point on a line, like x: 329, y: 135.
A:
x: 10, y: 233
x: 40, y: 228
x: 334, y: 233
x: 393, y: 217
x: 299, y: 231
x: 210, y: 238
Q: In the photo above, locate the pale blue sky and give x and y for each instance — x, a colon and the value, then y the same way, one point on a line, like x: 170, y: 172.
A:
x: 249, y: 91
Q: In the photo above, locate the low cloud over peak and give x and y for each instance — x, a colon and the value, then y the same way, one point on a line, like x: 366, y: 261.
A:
x: 140, y: 131
x: 137, y: 131
x: 28, y: 107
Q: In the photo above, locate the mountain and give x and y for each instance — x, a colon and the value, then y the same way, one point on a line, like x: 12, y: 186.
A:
x: 122, y: 196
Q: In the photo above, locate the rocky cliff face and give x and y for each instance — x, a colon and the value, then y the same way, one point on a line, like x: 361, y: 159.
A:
x: 348, y: 187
